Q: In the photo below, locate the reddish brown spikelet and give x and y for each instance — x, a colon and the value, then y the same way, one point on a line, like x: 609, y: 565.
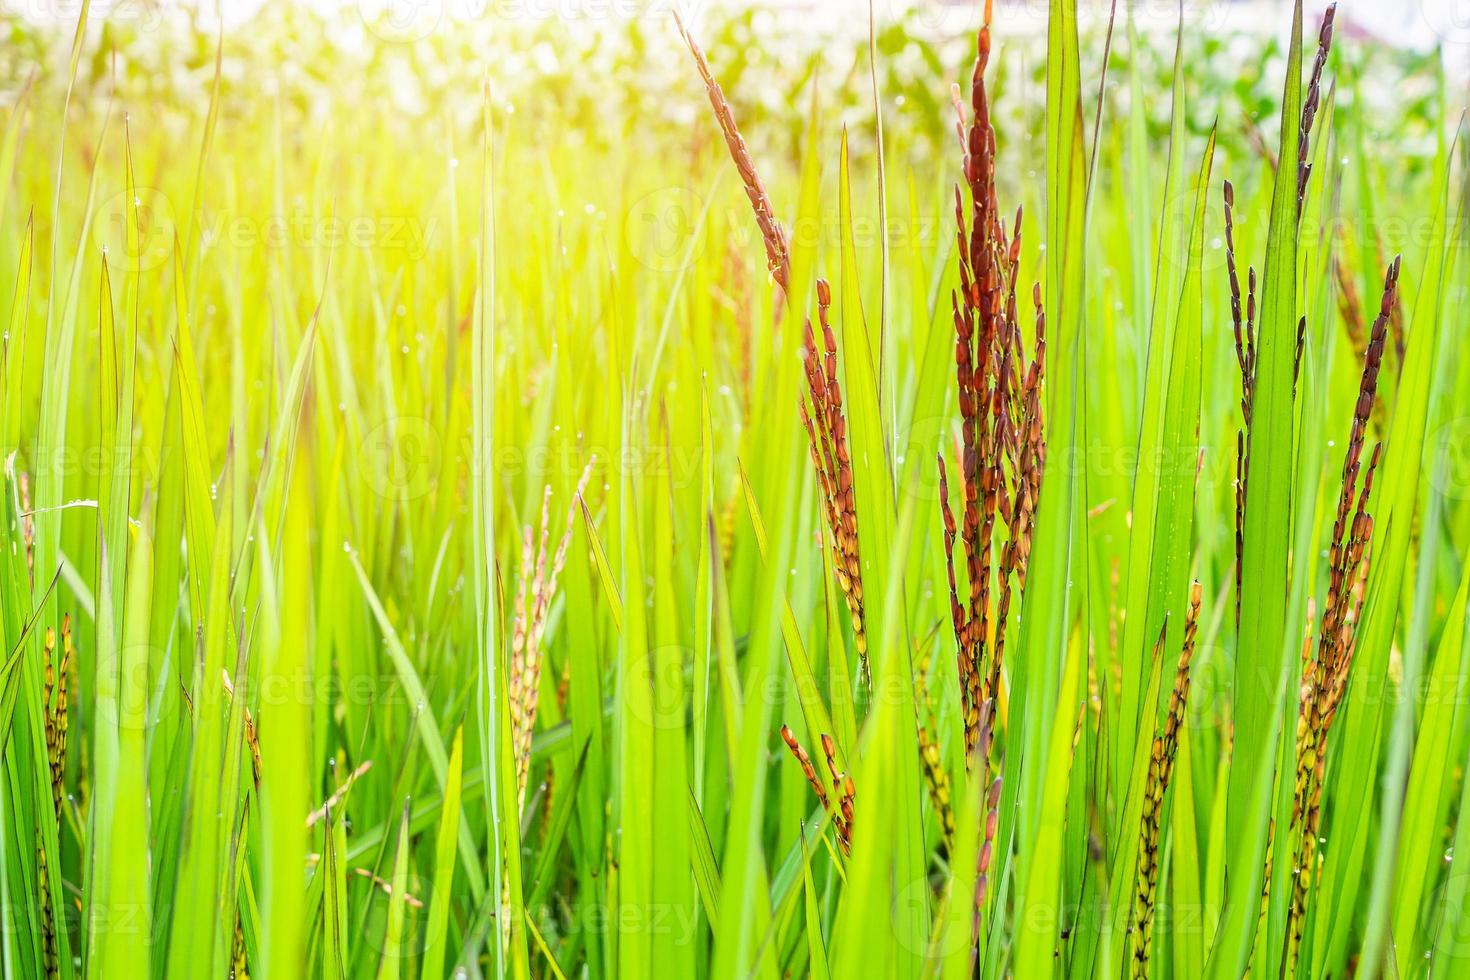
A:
x: 1160, y: 769
x: 1325, y: 677
x: 807, y: 769
x: 825, y: 422
x: 986, y: 855
x: 51, y: 963
x: 1002, y: 448
x: 990, y: 821
x: 1230, y: 270
x: 59, y: 718
x: 48, y: 652
x: 1310, y: 103
x: 1030, y: 458
x: 1245, y: 357
x: 54, y: 724
x: 844, y: 788
x: 778, y: 257
x: 842, y: 785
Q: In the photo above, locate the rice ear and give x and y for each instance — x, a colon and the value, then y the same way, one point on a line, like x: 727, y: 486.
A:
x: 778, y: 251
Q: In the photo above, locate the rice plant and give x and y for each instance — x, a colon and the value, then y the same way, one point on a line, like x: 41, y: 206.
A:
x: 997, y: 507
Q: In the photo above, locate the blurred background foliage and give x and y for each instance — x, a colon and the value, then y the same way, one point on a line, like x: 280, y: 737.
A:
x: 592, y: 82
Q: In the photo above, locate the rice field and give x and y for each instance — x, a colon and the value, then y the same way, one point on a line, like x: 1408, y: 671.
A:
x: 986, y: 494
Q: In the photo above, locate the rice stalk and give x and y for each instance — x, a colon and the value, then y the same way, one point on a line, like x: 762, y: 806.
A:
x: 1244, y: 332
x: 1245, y: 359
x: 842, y: 785
x: 539, y: 571
x: 1310, y: 103
x: 56, y: 713
x: 239, y: 968
x: 823, y: 418
x: 990, y: 822
x: 778, y: 249
x: 1160, y: 769
x: 936, y: 776
x: 55, y: 722
x: 252, y: 736
x: 1325, y: 679
x: 1002, y: 449
x: 826, y: 429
